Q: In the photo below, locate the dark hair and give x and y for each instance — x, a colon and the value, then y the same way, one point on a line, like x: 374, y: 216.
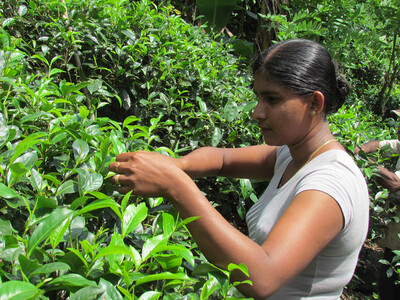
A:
x: 304, y: 66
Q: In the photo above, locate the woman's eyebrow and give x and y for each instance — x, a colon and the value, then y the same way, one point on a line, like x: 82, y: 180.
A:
x: 266, y: 92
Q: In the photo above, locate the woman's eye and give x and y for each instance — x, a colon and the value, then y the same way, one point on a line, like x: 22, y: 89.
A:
x: 270, y: 99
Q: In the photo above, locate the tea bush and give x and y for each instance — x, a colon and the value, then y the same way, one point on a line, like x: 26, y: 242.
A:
x: 81, y: 82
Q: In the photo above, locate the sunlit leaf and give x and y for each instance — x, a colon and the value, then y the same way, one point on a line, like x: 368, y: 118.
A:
x: 47, y: 226
x: 164, y: 276
x: 99, y: 204
x: 26, y: 143
x: 6, y: 192
x: 50, y: 268
x: 18, y: 290
x: 68, y: 187
x: 150, y: 295
x: 70, y: 280
x: 89, y: 182
x: 132, y: 217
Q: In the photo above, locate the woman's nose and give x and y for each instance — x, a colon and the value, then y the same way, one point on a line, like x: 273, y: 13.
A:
x: 259, y: 112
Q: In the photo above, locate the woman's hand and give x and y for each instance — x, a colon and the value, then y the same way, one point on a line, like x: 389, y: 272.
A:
x: 147, y: 174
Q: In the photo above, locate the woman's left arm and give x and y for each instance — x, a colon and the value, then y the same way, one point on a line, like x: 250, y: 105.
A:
x: 311, y: 221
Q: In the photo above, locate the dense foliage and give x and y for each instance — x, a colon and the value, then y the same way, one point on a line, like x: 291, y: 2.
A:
x: 81, y: 82
x: 144, y: 80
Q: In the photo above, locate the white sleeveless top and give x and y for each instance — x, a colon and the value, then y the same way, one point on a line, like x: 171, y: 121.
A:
x: 335, y: 173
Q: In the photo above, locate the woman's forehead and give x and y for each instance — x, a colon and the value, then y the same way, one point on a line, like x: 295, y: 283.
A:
x: 263, y: 82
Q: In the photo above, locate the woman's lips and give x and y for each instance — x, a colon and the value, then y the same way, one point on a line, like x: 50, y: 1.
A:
x: 265, y: 131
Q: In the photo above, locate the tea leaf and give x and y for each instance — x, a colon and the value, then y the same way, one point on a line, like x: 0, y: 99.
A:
x: 112, y: 250
x: 132, y: 217
x: 47, y: 226
x: 68, y: 187
x: 99, y: 204
x: 18, y: 290
x: 164, y: 276
x: 70, y: 280
x: 150, y: 295
x: 7, y: 192
x: 26, y: 143
x: 89, y: 182
x: 50, y: 268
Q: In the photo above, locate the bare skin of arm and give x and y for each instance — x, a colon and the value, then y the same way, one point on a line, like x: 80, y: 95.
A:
x: 236, y: 163
x: 309, y: 224
x: 386, y: 178
x: 369, y: 147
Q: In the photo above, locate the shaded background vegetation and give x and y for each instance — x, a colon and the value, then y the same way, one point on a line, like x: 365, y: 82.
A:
x: 82, y: 81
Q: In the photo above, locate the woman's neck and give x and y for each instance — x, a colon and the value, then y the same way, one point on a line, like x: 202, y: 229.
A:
x: 307, y: 146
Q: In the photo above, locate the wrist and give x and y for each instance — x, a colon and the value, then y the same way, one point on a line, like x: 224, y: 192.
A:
x: 180, y: 186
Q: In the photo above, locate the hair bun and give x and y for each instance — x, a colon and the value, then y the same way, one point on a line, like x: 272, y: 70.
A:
x: 343, y: 89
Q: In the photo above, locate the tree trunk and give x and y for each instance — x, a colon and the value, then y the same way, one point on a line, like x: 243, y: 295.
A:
x: 264, y: 37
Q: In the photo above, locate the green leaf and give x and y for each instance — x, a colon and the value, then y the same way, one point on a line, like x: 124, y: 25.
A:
x: 125, y: 200
x: 150, y: 295
x: 216, y: 137
x: 168, y: 224
x: 129, y: 120
x: 242, y: 267
x: 36, y: 116
x: 70, y: 280
x: 88, y: 292
x: 202, y: 104
x: 68, y: 187
x: 18, y: 169
x: 186, y: 221
x: 116, y: 259
x: 110, y: 292
x: 151, y: 245
x: 18, y: 290
x: 230, y: 111
x: 130, y: 34
x: 89, y: 182
x: 163, y: 276
x: 81, y: 150
x: 209, y: 287
x: 132, y: 217
x: 168, y: 261
x: 205, y: 268
x: 36, y: 180
x: 8, y: 193
x: 6, y: 227
x: 27, y: 265
x: 57, y: 235
x: 50, y: 268
x: 47, y: 226
x: 94, y: 86
x: 216, y: 12
x: 78, y: 202
x: 112, y: 250
x: 99, y: 204
x: 137, y: 259
x: 26, y: 143
x: 22, y: 10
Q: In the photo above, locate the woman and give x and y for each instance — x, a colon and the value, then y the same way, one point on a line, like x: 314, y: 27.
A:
x: 307, y: 229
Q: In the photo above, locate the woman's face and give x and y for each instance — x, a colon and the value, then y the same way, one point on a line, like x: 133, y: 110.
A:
x: 283, y: 117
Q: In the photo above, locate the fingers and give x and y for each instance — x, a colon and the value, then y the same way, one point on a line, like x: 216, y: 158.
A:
x: 125, y: 189
x: 118, y: 167
x: 122, y: 182
x: 124, y: 157
x: 116, y: 179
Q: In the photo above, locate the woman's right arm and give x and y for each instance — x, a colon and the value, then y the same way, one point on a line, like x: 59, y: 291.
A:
x: 254, y: 162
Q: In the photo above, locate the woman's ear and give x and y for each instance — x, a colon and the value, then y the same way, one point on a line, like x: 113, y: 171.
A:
x: 317, y: 103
